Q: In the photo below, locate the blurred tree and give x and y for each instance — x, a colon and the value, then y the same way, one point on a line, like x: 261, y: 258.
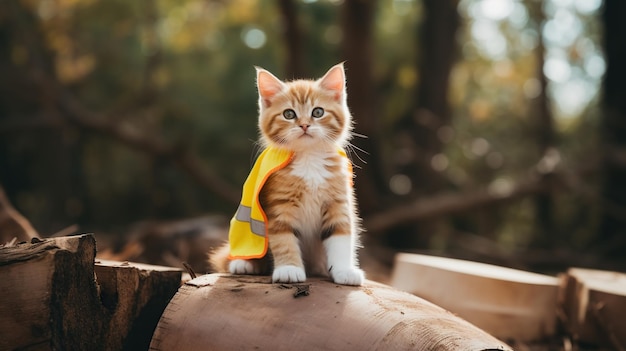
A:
x: 543, y: 131
x: 294, y: 41
x: 612, y: 235
x: 419, y: 127
x: 357, y: 23
x: 54, y: 186
x: 418, y: 130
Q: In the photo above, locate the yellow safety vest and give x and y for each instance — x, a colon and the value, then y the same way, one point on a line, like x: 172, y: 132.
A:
x: 248, y: 236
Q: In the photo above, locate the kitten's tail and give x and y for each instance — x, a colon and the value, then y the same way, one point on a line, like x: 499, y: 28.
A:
x: 218, y: 259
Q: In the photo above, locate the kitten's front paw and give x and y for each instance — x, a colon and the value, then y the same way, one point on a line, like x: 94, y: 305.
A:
x: 347, y: 276
x: 288, y: 274
x: 242, y: 267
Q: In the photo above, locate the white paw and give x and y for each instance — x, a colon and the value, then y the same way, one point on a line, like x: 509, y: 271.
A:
x: 347, y: 276
x: 242, y: 267
x: 288, y: 274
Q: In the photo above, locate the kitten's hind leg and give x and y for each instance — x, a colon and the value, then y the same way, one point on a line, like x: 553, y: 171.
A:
x: 340, y: 255
x: 288, y: 266
x: 219, y: 263
x: 244, y: 267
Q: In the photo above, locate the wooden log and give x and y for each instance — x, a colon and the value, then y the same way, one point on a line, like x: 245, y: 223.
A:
x: 52, y: 301
x: 594, y: 303
x: 508, y: 303
x: 135, y: 296
x: 225, y: 312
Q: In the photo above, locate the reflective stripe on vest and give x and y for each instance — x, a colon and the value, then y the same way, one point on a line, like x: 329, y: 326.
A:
x: 243, y: 215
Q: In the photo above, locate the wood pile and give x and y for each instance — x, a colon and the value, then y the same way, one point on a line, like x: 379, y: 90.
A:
x: 582, y: 306
x: 56, y: 295
x: 55, y: 298
x: 594, y: 306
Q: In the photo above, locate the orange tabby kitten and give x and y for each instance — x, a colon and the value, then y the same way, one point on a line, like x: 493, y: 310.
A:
x: 308, y: 202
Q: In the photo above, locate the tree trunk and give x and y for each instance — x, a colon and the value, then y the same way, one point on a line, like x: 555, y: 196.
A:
x: 416, y: 133
x: 418, y: 129
x: 544, y: 134
x: 292, y: 35
x: 612, y: 234
x: 357, y: 22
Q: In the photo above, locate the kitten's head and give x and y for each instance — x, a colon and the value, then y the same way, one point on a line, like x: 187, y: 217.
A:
x: 304, y: 114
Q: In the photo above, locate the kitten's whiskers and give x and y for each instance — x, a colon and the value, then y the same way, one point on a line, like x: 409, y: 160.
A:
x: 354, y: 150
x: 359, y: 135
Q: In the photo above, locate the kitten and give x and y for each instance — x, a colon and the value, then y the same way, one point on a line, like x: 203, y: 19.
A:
x: 303, y: 179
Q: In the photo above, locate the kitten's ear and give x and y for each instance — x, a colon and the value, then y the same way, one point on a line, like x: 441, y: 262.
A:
x: 335, y: 81
x: 268, y: 86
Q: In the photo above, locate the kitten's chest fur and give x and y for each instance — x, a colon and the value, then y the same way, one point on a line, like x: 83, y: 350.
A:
x: 317, y: 173
x: 314, y: 169
x: 300, y: 192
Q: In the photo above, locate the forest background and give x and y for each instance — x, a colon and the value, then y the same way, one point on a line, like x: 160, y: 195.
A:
x: 491, y: 130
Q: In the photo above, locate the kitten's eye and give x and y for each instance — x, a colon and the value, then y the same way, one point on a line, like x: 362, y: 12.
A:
x: 289, y: 114
x: 317, y: 112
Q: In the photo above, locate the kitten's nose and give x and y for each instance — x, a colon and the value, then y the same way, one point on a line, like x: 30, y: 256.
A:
x: 304, y: 127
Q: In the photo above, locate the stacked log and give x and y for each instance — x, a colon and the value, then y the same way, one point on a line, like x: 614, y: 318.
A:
x: 52, y: 299
x: 57, y: 296
x: 508, y: 303
x: 594, y: 303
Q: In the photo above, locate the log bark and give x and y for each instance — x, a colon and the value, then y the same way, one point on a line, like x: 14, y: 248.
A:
x: 52, y: 301
x: 593, y: 303
x: 225, y: 312
x: 508, y: 303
